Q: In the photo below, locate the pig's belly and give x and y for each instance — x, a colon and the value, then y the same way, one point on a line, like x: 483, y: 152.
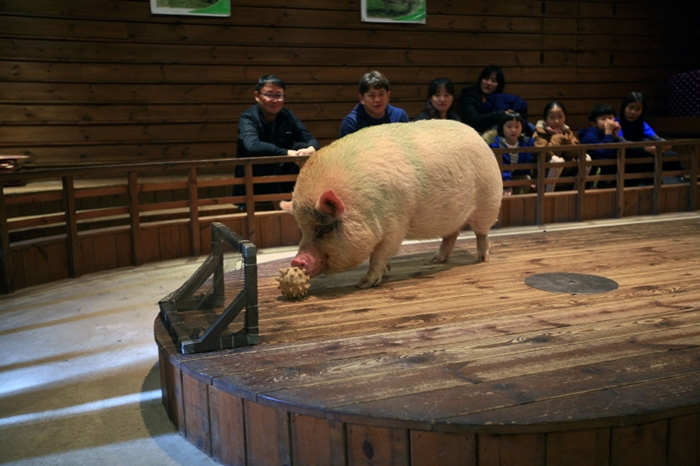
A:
x: 436, y: 223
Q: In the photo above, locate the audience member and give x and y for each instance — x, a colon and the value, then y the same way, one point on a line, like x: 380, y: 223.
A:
x: 482, y: 105
x: 552, y: 131
x: 440, y: 101
x: 634, y: 128
x: 373, y: 108
x: 603, y: 128
x: 267, y: 129
x: 510, y: 135
x: 632, y: 119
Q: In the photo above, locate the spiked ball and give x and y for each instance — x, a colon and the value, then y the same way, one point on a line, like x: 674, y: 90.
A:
x: 294, y: 282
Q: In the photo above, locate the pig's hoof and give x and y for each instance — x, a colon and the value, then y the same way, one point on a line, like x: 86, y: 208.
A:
x: 294, y: 282
x: 439, y: 258
x: 483, y: 257
x: 369, y: 282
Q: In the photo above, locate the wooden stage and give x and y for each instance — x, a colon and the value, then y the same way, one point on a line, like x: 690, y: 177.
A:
x: 464, y: 363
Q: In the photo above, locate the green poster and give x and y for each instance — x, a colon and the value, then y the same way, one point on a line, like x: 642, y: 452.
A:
x: 191, y: 7
x: 394, y: 11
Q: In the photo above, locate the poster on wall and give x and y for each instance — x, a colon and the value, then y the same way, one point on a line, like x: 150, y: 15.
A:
x: 191, y: 7
x: 394, y: 11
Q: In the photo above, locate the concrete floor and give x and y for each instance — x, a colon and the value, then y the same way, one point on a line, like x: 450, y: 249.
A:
x: 79, y: 380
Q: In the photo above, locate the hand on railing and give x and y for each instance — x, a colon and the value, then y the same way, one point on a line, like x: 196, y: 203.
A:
x: 306, y: 151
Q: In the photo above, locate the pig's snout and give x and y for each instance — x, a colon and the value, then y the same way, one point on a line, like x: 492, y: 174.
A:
x: 300, y: 261
x: 307, y: 263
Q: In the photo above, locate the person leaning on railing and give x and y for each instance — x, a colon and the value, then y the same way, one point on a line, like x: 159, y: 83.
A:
x: 634, y: 128
x: 269, y: 129
x: 603, y: 129
x: 552, y: 131
x: 510, y: 136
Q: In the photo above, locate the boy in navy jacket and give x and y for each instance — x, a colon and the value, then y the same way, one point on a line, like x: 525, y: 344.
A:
x: 604, y: 129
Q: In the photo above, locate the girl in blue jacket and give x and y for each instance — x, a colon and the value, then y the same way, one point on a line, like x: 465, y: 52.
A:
x: 634, y: 128
x: 510, y: 135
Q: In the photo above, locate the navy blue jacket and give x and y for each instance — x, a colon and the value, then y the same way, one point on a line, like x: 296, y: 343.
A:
x: 593, y: 135
x: 358, y: 118
x: 523, y: 157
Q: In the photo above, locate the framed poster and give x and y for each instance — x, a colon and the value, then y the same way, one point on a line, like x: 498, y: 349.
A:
x: 191, y: 7
x: 394, y: 11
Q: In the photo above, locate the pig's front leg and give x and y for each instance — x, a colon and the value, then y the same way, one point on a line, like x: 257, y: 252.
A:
x: 379, y: 261
x: 446, y: 247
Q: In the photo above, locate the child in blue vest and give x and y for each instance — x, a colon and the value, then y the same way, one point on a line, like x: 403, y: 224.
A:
x: 510, y: 135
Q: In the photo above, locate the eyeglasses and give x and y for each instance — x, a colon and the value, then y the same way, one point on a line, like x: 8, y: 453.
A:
x: 273, y: 96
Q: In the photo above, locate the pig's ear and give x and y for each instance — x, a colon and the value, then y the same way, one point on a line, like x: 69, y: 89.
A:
x: 330, y: 204
x: 287, y: 206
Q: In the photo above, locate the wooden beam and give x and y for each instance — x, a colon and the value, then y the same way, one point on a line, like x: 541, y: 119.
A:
x: 6, y: 281
x: 195, y: 236
x: 72, y: 240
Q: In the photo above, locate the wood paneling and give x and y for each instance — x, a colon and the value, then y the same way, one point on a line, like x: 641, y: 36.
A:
x: 317, y: 441
x: 438, y: 448
x: 101, y: 82
x: 268, y: 441
x: 227, y: 428
x: 195, y: 397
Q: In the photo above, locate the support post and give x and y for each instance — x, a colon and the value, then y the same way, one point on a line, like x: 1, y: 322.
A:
x: 134, y: 213
x: 72, y: 241
x: 6, y: 279
x: 195, y: 236
x: 250, y: 202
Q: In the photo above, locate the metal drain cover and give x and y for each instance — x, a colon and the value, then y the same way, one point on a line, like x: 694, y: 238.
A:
x: 571, y: 283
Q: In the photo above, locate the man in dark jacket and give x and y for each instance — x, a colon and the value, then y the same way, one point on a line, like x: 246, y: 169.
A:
x: 267, y: 129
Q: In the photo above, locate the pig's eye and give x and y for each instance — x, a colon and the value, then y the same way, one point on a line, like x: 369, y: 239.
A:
x: 323, y: 230
x: 324, y: 224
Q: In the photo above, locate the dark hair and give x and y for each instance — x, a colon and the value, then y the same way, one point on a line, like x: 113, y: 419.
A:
x: 511, y: 116
x: 600, y: 110
x: 632, y: 130
x: 269, y: 79
x: 548, y: 108
x: 487, y: 72
x: 433, y: 88
x: 632, y: 97
x: 373, y: 79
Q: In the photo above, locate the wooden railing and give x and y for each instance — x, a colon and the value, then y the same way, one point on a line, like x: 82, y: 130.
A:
x: 128, y: 211
x: 685, y: 152
x: 60, y: 223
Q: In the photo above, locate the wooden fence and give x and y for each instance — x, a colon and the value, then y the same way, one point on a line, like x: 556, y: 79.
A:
x: 61, y: 223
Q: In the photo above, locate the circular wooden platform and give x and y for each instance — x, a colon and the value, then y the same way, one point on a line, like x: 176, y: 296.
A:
x: 463, y: 363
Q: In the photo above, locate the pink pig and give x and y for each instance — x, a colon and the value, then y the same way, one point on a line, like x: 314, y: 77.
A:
x: 364, y: 194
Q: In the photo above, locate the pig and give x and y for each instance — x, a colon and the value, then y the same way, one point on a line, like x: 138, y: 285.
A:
x: 364, y: 194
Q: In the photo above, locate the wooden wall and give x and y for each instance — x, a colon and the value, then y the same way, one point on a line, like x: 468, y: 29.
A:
x: 93, y: 81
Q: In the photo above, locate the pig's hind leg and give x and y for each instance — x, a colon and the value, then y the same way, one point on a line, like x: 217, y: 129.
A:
x: 446, y: 247
x: 483, y: 247
x: 481, y: 228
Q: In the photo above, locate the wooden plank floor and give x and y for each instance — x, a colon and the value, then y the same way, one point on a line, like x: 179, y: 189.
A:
x: 465, y: 347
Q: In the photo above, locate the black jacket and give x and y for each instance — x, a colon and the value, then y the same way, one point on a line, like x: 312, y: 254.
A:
x: 258, y: 138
